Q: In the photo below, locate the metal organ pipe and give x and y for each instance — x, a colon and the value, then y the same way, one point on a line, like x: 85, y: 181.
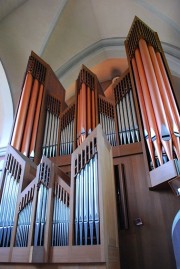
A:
x: 130, y: 119
x: 156, y: 99
x: 127, y: 128
x: 24, y: 219
x: 40, y: 221
x: 106, y: 118
x: 50, y: 142
x: 67, y: 131
x: 61, y: 217
x: 134, y: 116
x: 8, y: 200
x: 126, y: 115
x: 86, y: 216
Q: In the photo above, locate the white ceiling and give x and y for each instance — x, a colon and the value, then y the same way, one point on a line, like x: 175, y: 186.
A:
x: 68, y: 33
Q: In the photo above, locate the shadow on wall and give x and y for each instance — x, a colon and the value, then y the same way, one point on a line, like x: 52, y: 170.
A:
x: 176, y: 238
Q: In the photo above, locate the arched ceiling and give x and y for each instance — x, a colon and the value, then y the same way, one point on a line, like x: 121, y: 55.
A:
x: 69, y: 33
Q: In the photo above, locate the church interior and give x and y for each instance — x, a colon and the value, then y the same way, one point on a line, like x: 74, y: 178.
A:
x: 90, y: 134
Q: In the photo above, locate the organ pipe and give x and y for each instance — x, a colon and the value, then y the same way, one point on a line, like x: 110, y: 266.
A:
x: 147, y: 132
x: 50, y: 141
x: 36, y: 121
x: 166, y: 104
x: 86, y: 115
x: 154, y: 133
x: 168, y: 92
x: 126, y: 115
x: 22, y: 111
x: 24, y: 219
x: 107, y: 119
x: 30, y: 119
x: 67, y: 131
x: 158, y: 107
x: 8, y: 201
x: 61, y: 215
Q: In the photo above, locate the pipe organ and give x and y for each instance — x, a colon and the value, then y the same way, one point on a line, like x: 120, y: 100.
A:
x: 51, y: 218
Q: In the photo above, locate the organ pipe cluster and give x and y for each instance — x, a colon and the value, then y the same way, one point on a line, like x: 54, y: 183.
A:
x: 61, y: 216
x: 67, y: 131
x: 87, y: 197
x: 9, y: 196
x: 107, y: 119
x: 27, y: 118
x: 24, y: 219
x: 41, y: 209
x: 86, y: 117
x: 50, y: 142
x: 128, y: 129
x: 157, y: 104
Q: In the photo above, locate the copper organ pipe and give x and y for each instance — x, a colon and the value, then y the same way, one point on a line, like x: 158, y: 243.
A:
x: 156, y: 99
x: 30, y: 119
x: 143, y: 112
x: 89, y: 129
x: 78, y: 119
x: 21, y: 114
x: 80, y: 114
x: 154, y: 134
x: 83, y: 113
x: 93, y: 110
x: 36, y: 121
x: 169, y: 91
x: 167, y: 106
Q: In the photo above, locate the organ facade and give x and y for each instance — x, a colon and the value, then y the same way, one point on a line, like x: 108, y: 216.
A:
x: 86, y: 185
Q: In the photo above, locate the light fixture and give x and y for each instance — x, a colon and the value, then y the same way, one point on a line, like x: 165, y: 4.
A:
x: 138, y: 222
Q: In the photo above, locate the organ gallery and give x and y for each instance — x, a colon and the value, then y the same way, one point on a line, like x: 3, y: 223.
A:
x: 87, y: 185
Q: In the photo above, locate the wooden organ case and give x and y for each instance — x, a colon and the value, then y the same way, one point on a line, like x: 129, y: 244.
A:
x: 86, y: 185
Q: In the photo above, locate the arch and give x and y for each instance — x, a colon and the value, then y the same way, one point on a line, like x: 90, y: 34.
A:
x: 176, y: 238
x: 6, y: 111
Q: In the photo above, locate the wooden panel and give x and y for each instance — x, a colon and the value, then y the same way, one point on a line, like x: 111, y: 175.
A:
x: 142, y: 246
x: 77, y: 254
x: 54, y: 266
x: 163, y: 173
x: 20, y: 255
